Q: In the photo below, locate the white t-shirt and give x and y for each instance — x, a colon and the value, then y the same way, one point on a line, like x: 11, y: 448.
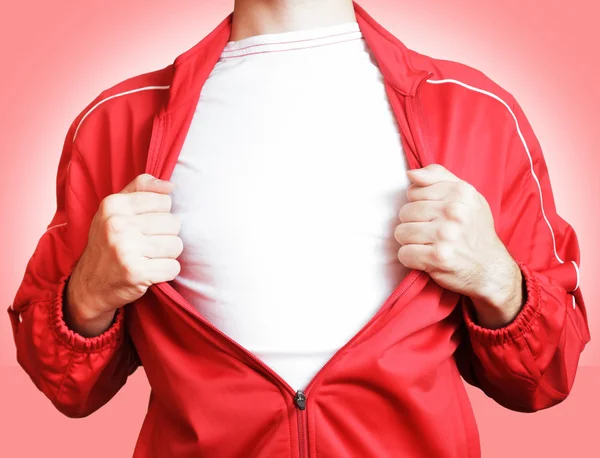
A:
x: 288, y: 186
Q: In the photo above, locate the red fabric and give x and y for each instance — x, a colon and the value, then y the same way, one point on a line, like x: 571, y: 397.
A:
x: 395, y: 389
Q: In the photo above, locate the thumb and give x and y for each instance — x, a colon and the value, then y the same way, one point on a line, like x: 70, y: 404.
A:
x: 420, y: 177
x: 147, y: 183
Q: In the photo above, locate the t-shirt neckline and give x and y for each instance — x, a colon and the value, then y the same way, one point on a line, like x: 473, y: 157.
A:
x: 296, y: 39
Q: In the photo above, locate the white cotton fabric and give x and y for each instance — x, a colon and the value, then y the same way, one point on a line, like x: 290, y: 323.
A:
x: 288, y: 187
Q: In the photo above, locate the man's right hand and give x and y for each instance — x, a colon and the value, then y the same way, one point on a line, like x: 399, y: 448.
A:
x: 132, y: 243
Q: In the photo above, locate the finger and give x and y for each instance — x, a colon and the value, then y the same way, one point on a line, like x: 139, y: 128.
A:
x: 148, y: 202
x: 162, y: 246
x: 417, y: 256
x: 419, y: 232
x: 430, y: 174
x: 162, y: 269
x: 147, y: 183
x: 157, y: 223
x: 436, y: 191
x: 421, y: 210
x: 438, y: 256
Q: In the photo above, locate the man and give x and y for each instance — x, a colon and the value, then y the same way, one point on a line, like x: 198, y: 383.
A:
x: 341, y: 228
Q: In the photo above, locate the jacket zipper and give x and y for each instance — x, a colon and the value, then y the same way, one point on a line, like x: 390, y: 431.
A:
x: 400, y: 289
x: 300, y: 396
x: 300, y: 401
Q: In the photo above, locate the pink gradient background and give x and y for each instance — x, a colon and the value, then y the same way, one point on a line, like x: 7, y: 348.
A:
x: 57, y: 56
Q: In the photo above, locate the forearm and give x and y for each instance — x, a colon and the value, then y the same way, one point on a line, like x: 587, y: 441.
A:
x: 505, y: 297
x: 78, y: 317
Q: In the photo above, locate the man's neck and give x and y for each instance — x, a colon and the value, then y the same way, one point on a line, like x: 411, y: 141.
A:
x: 257, y: 17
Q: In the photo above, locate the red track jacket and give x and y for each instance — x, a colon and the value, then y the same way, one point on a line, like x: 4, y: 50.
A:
x: 395, y: 389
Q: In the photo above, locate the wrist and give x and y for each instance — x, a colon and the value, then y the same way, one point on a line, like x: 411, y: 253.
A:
x: 80, y: 314
x: 503, y: 302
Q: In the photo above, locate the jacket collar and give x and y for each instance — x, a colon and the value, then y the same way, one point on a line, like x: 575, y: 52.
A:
x: 192, y: 68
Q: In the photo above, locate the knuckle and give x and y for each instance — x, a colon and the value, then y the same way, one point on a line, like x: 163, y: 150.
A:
x: 141, y: 179
x: 443, y: 254
x: 131, y: 276
x: 404, y: 255
x: 120, y: 254
x: 447, y: 230
x: 176, y: 269
x: 442, y: 231
x: 114, y: 225
x: 178, y: 245
x: 135, y: 273
x: 455, y: 210
x: 400, y: 253
x: 464, y: 189
x: 402, y: 214
x: 411, y: 191
x: 398, y: 233
x: 108, y: 205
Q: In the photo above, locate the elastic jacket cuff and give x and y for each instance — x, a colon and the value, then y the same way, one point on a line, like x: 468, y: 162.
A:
x: 112, y: 337
x: 522, y: 323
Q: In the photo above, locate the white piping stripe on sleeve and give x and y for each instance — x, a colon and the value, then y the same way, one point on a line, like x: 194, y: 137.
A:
x: 55, y: 226
x: 576, y: 270
x: 146, y: 88
x: 112, y: 97
x: 460, y: 83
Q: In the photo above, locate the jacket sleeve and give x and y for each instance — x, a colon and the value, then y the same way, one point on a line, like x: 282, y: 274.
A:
x: 78, y: 374
x: 530, y: 364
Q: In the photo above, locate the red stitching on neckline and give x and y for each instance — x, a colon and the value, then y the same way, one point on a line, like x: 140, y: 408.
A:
x: 290, y: 49
x: 291, y: 41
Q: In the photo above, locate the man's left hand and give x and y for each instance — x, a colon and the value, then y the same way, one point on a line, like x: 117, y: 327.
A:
x: 447, y: 229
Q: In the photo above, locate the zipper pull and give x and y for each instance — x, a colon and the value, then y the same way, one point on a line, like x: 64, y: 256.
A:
x: 300, y: 399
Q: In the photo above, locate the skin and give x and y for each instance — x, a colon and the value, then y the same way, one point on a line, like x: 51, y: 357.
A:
x: 446, y: 229
x: 132, y: 243
x: 123, y: 257
x: 257, y: 17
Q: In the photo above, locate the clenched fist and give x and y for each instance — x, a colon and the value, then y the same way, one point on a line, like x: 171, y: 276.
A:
x: 132, y: 243
x: 447, y: 229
